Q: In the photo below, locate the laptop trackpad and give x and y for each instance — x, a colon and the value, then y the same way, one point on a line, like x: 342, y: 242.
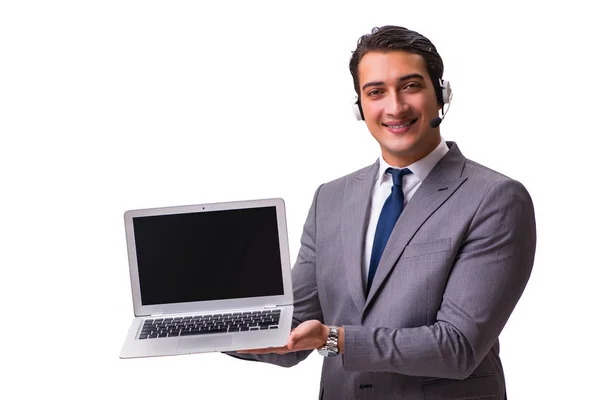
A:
x: 204, y: 341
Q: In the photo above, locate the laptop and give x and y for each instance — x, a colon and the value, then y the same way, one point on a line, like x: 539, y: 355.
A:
x: 208, y: 277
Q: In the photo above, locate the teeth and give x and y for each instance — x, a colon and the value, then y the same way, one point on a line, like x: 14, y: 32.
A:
x: 400, y: 126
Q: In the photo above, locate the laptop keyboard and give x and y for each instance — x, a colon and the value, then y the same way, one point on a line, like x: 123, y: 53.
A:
x: 207, y: 324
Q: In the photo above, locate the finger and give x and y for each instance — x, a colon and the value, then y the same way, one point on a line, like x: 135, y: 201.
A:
x: 264, y: 351
x: 260, y: 352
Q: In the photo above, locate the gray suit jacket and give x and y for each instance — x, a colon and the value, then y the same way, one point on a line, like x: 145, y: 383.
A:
x: 453, y: 270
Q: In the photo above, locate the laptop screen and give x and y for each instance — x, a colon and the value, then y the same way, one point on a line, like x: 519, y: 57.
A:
x: 213, y: 255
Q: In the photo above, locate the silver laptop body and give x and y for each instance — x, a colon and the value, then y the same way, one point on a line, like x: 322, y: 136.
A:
x: 209, y: 277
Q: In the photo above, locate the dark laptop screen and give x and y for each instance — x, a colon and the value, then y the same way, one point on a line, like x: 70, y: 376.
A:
x: 212, y: 255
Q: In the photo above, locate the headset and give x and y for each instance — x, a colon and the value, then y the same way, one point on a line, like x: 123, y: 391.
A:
x: 445, y: 96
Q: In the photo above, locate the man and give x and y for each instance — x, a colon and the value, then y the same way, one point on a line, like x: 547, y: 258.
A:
x: 412, y: 306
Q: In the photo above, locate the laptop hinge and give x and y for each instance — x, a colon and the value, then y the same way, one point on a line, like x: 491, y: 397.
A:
x: 270, y: 306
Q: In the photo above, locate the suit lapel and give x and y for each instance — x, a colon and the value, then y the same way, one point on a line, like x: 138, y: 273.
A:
x: 440, y: 184
x: 356, y: 204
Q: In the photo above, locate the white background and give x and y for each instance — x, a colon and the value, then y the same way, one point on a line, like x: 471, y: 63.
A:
x: 113, y: 105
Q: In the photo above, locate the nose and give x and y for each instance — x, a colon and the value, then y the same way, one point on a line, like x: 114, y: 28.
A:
x: 395, y: 105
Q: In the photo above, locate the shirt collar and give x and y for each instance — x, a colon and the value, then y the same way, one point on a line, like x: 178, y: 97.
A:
x: 420, y: 168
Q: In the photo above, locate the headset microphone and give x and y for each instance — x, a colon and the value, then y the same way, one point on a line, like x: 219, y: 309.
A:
x: 434, y: 123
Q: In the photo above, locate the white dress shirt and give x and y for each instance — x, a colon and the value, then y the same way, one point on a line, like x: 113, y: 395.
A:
x: 383, y: 187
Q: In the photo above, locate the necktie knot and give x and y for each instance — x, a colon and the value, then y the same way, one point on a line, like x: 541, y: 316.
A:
x: 397, y: 175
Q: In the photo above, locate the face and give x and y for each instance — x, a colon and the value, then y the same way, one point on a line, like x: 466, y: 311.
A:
x: 398, y: 102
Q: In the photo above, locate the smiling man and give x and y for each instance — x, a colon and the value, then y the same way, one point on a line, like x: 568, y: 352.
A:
x: 409, y: 268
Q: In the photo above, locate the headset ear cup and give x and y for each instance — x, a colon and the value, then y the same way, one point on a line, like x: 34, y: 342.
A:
x: 446, y: 91
x: 439, y: 93
x: 357, y: 109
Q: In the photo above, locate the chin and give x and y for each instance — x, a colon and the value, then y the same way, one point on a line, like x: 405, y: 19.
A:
x: 405, y: 145
x: 408, y: 150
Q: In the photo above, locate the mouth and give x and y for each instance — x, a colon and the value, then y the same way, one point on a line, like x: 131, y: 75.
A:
x: 400, y: 126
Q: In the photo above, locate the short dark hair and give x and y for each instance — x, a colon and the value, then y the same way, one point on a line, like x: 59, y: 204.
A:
x: 390, y: 38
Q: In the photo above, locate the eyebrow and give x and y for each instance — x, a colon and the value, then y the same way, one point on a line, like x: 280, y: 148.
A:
x: 400, y: 80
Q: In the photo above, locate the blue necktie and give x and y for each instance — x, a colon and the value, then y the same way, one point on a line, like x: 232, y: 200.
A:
x: 392, y: 208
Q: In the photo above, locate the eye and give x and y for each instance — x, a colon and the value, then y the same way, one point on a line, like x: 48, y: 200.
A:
x: 412, y: 87
x: 374, y: 92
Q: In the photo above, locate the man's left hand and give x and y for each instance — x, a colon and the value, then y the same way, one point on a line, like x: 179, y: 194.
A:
x: 309, y: 335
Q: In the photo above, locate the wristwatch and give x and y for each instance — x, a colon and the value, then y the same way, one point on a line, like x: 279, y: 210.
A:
x: 330, y: 349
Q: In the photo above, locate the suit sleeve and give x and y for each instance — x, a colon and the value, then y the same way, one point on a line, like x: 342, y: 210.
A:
x: 306, y: 299
x: 488, y: 276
